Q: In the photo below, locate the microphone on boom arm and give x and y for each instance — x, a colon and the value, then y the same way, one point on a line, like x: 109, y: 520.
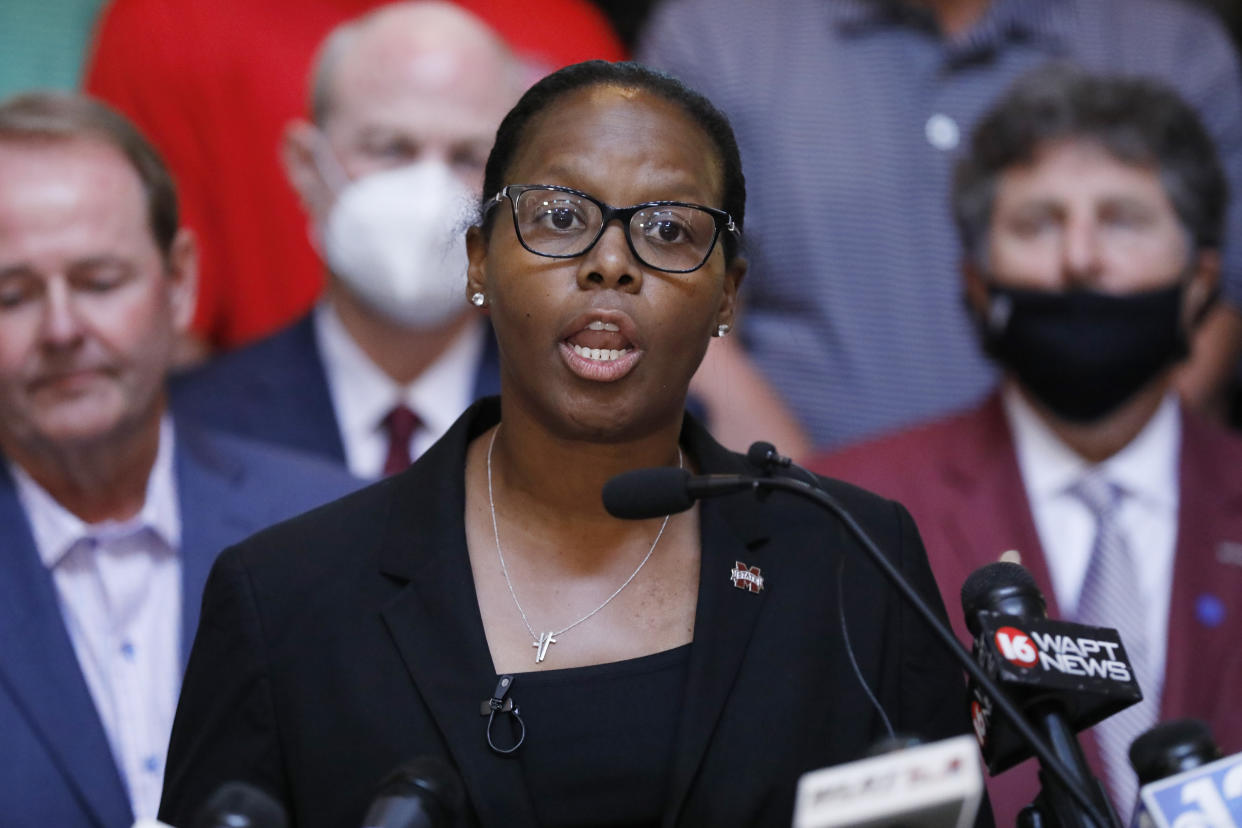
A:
x: 647, y: 493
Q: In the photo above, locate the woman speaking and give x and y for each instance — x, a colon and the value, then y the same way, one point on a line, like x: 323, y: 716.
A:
x: 483, y: 608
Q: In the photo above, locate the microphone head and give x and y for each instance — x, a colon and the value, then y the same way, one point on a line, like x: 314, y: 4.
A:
x: 239, y: 805
x: 648, y: 493
x: 1001, y: 587
x: 1172, y: 747
x: 421, y: 793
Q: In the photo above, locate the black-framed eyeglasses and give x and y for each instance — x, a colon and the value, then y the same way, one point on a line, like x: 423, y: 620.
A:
x: 561, y: 222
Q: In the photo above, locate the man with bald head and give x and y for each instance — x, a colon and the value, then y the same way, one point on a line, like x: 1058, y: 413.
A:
x: 405, y: 103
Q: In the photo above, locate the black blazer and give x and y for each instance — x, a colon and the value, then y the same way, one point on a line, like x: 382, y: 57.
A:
x: 339, y: 644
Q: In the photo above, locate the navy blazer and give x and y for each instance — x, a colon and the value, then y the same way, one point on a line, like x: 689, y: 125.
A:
x: 56, y: 766
x: 276, y: 391
x: 340, y: 644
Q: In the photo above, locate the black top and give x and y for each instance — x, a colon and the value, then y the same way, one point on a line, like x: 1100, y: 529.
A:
x: 345, y: 642
x: 599, y: 740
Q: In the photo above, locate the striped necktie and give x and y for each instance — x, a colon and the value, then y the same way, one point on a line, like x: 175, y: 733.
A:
x: 1110, y: 597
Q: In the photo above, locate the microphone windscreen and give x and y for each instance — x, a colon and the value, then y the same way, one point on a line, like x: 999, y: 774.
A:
x: 648, y: 493
x: 1172, y: 747
x: 236, y: 804
x: 1001, y: 587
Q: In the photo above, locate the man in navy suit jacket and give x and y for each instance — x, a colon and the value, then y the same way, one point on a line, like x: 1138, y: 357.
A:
x: 405, y: 103
x: 112, y: 509
x: 1090, y: 209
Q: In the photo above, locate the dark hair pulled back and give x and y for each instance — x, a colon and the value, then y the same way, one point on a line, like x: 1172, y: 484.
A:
x: 627, y: 75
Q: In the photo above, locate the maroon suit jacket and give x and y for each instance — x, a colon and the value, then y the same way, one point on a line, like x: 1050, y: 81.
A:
x: 959, y: 477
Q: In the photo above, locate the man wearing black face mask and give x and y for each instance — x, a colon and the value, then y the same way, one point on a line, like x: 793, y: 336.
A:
x: 1090, y: 210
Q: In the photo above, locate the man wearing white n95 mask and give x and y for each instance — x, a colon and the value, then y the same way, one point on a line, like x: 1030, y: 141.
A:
x: 405, y: 104
x: 394, y: 238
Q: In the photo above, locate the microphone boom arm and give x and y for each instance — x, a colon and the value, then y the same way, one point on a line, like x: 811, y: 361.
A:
x: 1042, y: 750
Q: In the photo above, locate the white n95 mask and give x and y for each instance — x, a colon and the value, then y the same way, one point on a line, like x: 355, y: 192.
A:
x: 396, y: 238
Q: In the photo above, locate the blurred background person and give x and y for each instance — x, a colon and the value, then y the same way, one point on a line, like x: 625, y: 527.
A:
x: 215, y: 84
x: 1091, y: 212
x: 112, y: 508
x: 405, y: 103
x: 849, y: 115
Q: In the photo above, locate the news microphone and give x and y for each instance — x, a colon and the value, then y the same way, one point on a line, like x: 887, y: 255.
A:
x: 239, y: 805
x: 1184, y: 781
x: 1064, y: 676
x: 937, y: 785
x: 648, y: 493
x: 422, y: 793
x: 1071, y: 676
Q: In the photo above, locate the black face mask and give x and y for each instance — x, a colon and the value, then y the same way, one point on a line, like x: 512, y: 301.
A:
x: 1082, y: 353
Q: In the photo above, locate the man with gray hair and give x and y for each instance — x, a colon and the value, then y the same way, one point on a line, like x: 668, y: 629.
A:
x: 405, y: 104
x: 850, y: 115
x: 112, y: 508
x: 1091, y: 211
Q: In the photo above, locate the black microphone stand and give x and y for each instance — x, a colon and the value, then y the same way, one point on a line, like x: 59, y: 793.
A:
x: 1057, y: 804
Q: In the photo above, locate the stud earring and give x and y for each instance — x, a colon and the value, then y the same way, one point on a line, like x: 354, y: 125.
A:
x: 477, y: 299
x: 722, y: 329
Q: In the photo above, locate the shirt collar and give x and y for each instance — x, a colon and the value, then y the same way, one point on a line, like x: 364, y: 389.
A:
x: 363, y: 394
x: 1146, y: 468
x: 56, y: 529
x: 1042, y: 20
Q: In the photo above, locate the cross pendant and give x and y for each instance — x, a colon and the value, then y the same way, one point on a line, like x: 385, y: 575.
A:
x: 542, y: 644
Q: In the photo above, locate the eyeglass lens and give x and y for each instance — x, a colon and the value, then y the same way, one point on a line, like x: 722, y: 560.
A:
x: 667, y: 237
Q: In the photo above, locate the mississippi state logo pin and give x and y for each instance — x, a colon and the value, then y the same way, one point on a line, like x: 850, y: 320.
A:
x: 746, y: 577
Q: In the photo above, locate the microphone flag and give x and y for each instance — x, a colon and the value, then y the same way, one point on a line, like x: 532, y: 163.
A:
x: 1085, y: 669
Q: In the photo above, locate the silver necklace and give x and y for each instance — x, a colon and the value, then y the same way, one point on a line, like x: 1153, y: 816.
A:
x: 542, y: 641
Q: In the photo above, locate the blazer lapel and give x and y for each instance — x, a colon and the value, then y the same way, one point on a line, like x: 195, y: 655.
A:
x: 731, y: 531
x: 1206, y: 603
x: 212, y: 518
x: 988, y: 513
x: 452, y: 667
x: 307, y: 383
x: 39, y: 668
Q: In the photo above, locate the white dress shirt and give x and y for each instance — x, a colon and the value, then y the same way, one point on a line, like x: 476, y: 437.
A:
x: 1147, y: 472
x: 119, y: 586
x: 362, y: 394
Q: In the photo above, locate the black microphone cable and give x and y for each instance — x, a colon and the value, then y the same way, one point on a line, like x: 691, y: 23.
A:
x: 849, y: 651
x: 764, y: 455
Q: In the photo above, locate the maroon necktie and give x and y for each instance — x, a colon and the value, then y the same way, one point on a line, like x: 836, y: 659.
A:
x: 400, y: 424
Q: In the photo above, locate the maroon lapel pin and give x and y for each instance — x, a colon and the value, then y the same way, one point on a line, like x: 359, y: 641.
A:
x: 746, y: 577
